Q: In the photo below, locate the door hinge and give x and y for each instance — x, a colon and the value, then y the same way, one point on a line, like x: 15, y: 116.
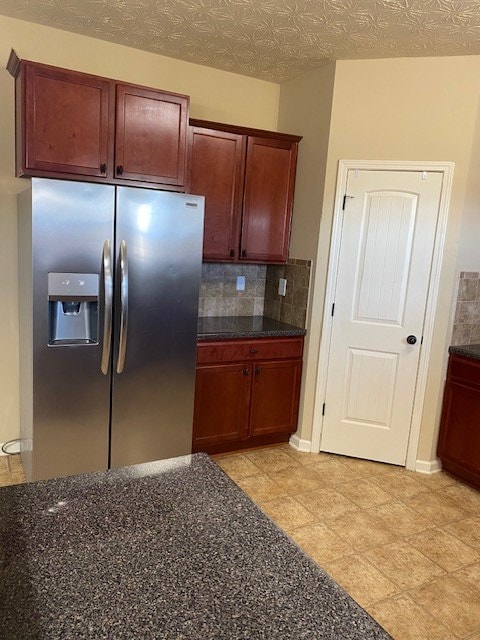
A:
x: 421, y: 340
x: 323, y: 409
x: 333, y: 308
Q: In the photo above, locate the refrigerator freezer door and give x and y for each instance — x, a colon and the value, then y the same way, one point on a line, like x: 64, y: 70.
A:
x: 71, y: 396
x: 152, y: 399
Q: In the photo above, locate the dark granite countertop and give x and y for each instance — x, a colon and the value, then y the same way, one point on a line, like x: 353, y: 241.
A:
x: 169, y: 550
x: 228, y: 327
x: 466, y: 350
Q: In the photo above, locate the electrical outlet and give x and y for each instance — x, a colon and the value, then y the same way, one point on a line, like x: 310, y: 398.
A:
x: 240, y: 283
x: 282, y: 286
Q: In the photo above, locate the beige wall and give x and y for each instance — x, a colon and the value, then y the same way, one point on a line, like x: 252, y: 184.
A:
x: 305, y: 109
x: 215, y: 95
x: 9, y: 392
x: 422, y: 109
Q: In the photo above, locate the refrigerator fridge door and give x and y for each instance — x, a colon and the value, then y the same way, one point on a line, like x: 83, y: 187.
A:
x: 72, y: 237
x: 158, y: 248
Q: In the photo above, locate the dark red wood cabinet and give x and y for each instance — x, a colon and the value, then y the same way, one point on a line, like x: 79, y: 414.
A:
x: 64, y: 122
x: 80, y: 126
x: 247, y: 393
x: 216, y: 171
x: 150, y: 135
x: 248, y: 178
x: 459, y: 438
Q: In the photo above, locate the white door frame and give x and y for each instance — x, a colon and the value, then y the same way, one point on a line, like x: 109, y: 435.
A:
x: 386, y: 165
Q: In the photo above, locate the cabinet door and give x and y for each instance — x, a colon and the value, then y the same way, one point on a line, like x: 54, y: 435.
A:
x: 268, y: 199
x: 216, y: 164
x: 222, y: 399
x: 459, y: 439
x: 275, y: 397
x: 65, y: 124
x: 150, y: 135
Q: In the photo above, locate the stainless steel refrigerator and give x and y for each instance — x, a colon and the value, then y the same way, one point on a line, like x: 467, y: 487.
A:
x: 108, y: 300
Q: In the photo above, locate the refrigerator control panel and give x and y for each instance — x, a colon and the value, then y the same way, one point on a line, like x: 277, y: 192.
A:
x: 72, y: 309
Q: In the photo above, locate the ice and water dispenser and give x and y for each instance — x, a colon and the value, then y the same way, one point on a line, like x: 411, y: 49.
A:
x: 72, y: 308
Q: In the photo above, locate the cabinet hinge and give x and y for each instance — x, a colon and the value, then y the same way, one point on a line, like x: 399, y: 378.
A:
x: 333, y: 308
x: 323, y: 409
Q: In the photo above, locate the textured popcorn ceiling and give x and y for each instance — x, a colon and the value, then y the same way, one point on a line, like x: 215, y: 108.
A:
x: 269, y: 39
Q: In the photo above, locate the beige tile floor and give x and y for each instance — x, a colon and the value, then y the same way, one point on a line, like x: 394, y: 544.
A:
x: 405, y: 546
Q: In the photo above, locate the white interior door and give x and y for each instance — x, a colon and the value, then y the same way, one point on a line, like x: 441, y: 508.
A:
x: 384, y: 265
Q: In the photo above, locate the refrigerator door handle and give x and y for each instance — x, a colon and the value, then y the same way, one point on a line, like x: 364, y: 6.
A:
x: 123, y: 306
x: 107, y: 322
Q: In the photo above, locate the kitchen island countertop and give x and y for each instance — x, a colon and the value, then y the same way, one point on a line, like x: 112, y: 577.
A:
x: 168, y: 550
x: 231, y: 327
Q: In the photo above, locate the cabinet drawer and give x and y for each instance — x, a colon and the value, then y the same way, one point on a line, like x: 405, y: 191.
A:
x: 241, y: 350
x: 465, y: 369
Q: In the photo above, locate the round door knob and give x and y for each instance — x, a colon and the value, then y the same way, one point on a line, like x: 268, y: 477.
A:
x: 412, y: 339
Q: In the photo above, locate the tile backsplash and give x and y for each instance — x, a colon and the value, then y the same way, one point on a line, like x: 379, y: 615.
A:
x: 466, y: 325
x: 292, y: 307
x: 219, y: 296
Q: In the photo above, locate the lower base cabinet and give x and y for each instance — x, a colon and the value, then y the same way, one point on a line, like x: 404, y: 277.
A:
x: 247, y: 393
x: 459, y: 438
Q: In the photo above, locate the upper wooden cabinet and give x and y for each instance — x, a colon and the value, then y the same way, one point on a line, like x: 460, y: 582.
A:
x: 247, y: 177
x: 62, y: 122
x: 150, y: 135
x: 76, y: 125
x: 216, y: 166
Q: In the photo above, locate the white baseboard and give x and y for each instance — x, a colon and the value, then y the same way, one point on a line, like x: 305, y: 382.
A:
x: 428, y: 466
x: 299, y: 444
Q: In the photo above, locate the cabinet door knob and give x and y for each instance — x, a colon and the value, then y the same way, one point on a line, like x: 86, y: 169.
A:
x: 245, y: 372
x: 119, y: 169
x: 232, y: 253
x: 244, y: 253
x: 103, y: 168
x: 257, y: 371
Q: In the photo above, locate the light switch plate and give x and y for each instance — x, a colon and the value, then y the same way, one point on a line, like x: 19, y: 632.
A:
x: 282, y: 286
x: 240, y: 283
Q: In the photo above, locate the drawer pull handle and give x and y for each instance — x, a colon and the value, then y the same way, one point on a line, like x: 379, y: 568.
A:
x: 245, y: 372
x: 253, y: 350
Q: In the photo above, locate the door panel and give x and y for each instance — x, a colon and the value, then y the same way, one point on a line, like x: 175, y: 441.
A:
x: 275, y: 396
x: 369, y: 384
x: 222, y: 401
x: 385, y: 257
x: 150, y: 136
x: 67, y: 129
x: 385, y: 254
x: 152, y: 405
x: 71, y: 396
x: 216, y: 172
x: 268, y: 199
